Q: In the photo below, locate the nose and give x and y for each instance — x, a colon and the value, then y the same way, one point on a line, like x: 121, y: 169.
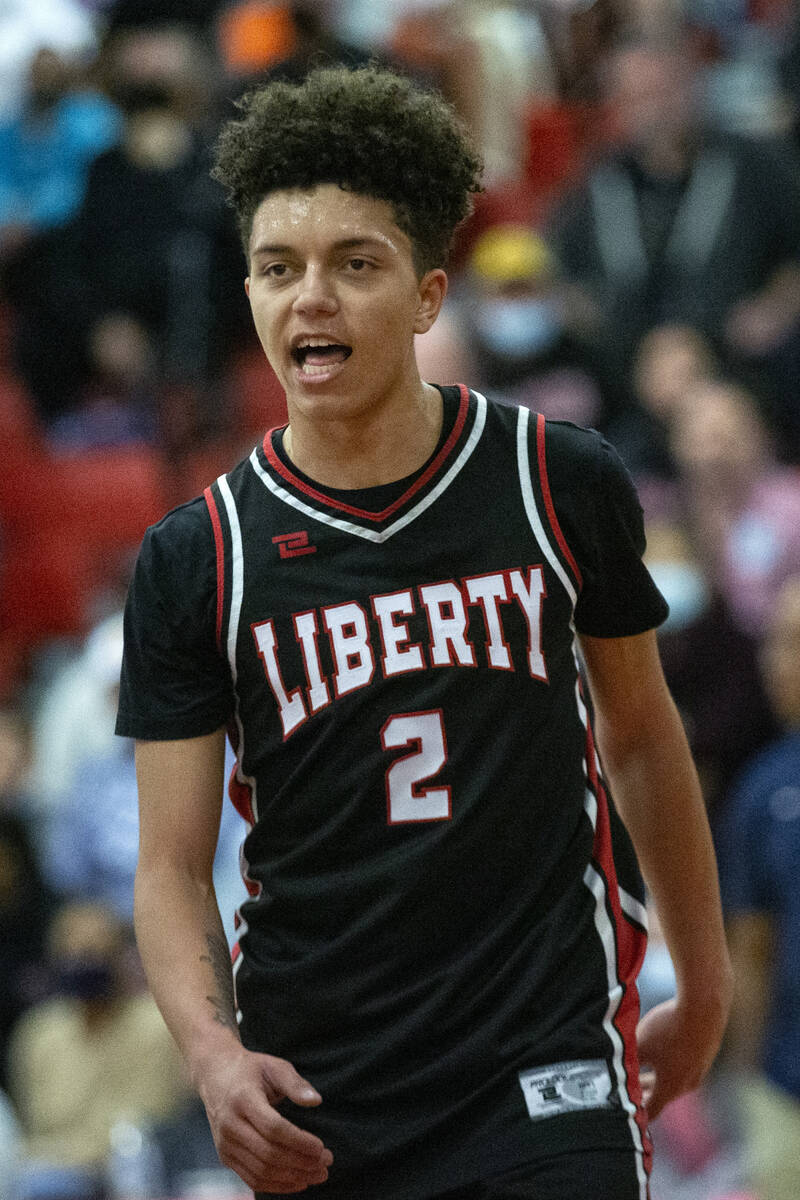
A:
x: 315, y: 293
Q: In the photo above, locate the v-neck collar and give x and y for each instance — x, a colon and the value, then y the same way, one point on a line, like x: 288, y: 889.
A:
x: 423, y: 489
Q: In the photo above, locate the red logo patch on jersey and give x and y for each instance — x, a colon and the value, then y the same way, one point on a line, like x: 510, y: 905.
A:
x: 291, y: 545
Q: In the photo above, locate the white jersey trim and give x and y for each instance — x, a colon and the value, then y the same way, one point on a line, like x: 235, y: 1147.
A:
x: 633, y: 908
x: 596, y: 885
x: 378, y: 536
x: 232, y: 634
x: 531, y: 509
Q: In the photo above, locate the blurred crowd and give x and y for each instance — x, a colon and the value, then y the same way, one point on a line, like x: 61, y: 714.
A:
x: 633, y: 265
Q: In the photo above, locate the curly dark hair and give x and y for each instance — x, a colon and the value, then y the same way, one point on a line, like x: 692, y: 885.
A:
x: 371, y: 131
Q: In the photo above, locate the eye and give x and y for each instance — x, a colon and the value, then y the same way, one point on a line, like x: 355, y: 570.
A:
x: 275, y: 270
x: 358, y: 264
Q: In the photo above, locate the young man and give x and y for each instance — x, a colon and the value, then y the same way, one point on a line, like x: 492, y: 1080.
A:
x: 435, y: 974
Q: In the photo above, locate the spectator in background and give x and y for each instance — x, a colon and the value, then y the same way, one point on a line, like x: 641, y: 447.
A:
x: 25, y: 902
x: 46, y: 149
x: 698, y: 1156
x: 120, y: 400
x: 706, y: 657
x: 64, y: 26
x: 744, y: 506
x: 93, y: 837
x: 666, y: 363
x: 681, y: 224
x: 93, y: 841
x: 74, y: 715
x: 26, y: 906
x: 153, y: 228
x: 152, y: 244
x: 93, y: 1054
x: 126, y: 14
x: 515, y: 323
x: 281, y: 41
x: 91, y: 829
x: 759, y: 852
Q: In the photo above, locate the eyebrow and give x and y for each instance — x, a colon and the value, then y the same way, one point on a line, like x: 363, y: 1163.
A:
x: 345, y: 244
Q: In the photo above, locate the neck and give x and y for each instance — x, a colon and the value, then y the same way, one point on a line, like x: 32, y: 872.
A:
x: 370, y: 450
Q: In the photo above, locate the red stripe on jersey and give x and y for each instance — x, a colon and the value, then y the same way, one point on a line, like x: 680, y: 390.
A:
x: 548, y: 501
x: 241, y: 795
x: 220, y: 548
x: 433, y: 466
x: 630, y: 947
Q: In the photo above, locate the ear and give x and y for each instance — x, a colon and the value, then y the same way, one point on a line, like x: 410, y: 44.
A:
x: 432, y: 291
x: 247, y: 287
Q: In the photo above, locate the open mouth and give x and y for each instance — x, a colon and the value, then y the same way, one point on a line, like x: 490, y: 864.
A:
x: 315, y: 357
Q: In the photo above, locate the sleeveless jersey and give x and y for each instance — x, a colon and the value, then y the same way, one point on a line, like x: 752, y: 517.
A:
x: 436, y: 935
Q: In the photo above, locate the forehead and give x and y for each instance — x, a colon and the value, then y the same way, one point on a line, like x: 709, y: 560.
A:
x: 325, y: 215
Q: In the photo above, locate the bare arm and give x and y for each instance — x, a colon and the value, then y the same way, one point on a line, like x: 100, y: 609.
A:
x: 647, y: 761
x: 186, y: 958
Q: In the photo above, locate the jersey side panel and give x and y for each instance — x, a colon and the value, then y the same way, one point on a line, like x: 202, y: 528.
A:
x: 623, y: 938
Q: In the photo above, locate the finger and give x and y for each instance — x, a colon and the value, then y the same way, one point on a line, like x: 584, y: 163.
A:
x: 284, y: 1081
x: 276, y: 1178
x: 258, y: 1148
x: 306, y: 1145
x: 258, y: 1183
x: 296, y: 1179
x: 269, y: 1129
x: 246, y: 1137
x: 247, y: 1176
x: 280, y: 1181
x: 270, y: 1149
x: 238, y: 1157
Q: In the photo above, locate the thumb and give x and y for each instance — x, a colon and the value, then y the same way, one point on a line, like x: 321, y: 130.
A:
x: 283, y: 1082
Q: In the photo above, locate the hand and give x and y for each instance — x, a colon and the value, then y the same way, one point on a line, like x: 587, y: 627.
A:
x: 240, y: 1090
x: 677, y: 1044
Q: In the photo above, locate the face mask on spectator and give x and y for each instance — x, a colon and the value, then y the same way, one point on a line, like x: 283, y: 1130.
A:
x: 519, y: 328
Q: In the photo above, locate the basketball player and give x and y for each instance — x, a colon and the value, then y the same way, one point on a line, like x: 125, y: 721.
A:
x: 434, y: 985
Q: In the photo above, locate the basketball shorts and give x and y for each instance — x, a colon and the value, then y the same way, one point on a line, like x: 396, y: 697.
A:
x: 578, y: 1175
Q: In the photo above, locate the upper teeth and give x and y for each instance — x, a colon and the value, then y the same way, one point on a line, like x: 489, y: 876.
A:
x: 315, y: 342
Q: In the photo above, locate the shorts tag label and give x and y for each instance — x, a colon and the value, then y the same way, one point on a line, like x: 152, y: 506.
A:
x: 566, y: 1087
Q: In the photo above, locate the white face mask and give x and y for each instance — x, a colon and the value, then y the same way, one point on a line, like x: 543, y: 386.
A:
x: 685, y: 590
x: 518, y: 329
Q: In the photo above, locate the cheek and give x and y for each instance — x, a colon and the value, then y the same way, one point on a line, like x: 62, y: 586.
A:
x: 264, y: 322
x: 391, y: 322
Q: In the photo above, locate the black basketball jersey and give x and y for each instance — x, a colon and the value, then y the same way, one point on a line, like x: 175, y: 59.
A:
x: 445, y: 918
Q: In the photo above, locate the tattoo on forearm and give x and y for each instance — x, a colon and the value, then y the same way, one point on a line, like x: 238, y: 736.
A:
x: 220, y: 960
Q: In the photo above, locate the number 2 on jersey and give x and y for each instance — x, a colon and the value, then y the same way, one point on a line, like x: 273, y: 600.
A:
x: 406, y: 799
